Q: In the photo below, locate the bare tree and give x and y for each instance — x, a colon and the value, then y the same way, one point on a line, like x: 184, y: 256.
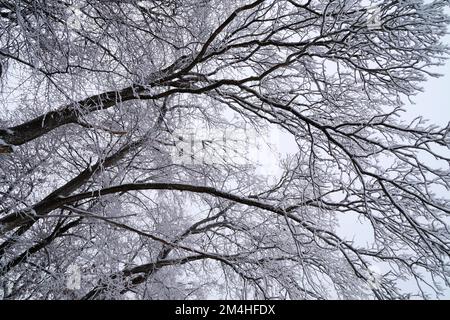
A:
x: 95, y: 92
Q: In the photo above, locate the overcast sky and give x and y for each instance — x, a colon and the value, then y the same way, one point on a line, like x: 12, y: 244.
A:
x: 434, y: 102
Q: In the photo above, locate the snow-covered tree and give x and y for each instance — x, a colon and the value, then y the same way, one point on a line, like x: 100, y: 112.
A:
x: 96, y: 96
